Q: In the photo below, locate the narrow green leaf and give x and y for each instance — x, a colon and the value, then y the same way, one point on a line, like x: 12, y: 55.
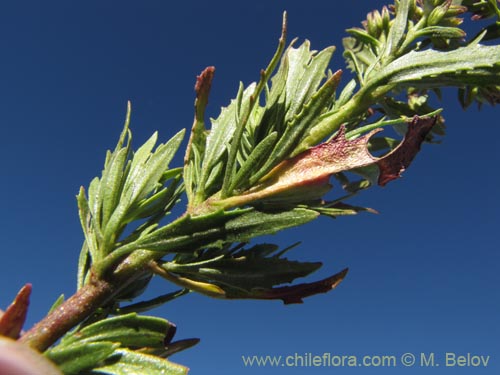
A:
x: 475, y: 63
x: 140, y: 158
x: 156, y: 204
x: 300, y: 124
x: 220, y: 135
x: 153, y: 303
x: 95, y: 200
x: 363, y: 36
x: 130, y: 330
x: 125, y: 134
x: 127, y: 362
x: 84, y: 262
x: 256, y: 223
x: 441, y: 32
x: 135, y: 288
x: 57, y: 303
x: 87, y: 222
x: 346, y: 94
x: 340, y: 209
x: 112, y: 182
x: 243, y: 115
x: 246, y: 271
x: 304, y: 76
x: 80, y: 356
x: 254, y: 161
x: 146, y: 171
x: 188, y: 234
x: 398, y: 30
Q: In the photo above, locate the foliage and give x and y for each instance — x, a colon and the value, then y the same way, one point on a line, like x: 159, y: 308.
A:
x: 262, y: 166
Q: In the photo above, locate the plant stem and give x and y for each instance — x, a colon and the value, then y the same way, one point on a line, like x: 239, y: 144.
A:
x: 96, y: 293
x: 71, y: 312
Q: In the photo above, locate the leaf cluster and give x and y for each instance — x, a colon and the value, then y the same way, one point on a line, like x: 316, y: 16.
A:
x: 262, y: 166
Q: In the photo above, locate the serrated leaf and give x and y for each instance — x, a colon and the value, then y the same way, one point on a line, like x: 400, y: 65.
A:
x: 130, y: 330
x: 288, y: 294
x: 306, y: 119
x: 146, y: 171
x: 221, y: 132
x: 359, y: 56
x: 146, y: 175
x: 296, y: 293
x: 305, y: 73
x: 254, y: 161
x: 307, y: 174
x: 246, y: 113
x: 80, y: 356
x: 473, y: 64
x: 246, y: 269
x: 128, y: 362
x: 256, y: 223
x: 393, y: 164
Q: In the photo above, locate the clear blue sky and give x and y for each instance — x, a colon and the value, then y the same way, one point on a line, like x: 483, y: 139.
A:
x: 424, y: 273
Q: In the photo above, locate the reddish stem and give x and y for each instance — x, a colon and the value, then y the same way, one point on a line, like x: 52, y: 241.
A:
x: 71, y: 312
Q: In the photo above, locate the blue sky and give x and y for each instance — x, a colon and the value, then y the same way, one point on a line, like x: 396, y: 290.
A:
x: 423, y: 273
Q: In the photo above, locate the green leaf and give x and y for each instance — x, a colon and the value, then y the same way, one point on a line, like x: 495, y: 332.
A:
x: 95, y: 200
x: 339, y: 209
x: 88, y: 224
x: 397, y: 31
x: 363, y: 36
x: 473, y: 64
x: 112, y: 183
x: 245, y: 112
x: 153, y: 303
x: 146, y: 171
x: 246, y: 269
x: 441, y: 32
x: 220, y: 135
x: 57, y: 303
x: 254, y: 161
x: 84, y: 261
x: 346, y: 94
x: 257, y: 223
x: 296, y: 129
x: 188, y: 234
x: 128, y: 362
x: 305, y: 73
x: 80, y: 356
x: 149, y: 168
x: 130, y: 330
